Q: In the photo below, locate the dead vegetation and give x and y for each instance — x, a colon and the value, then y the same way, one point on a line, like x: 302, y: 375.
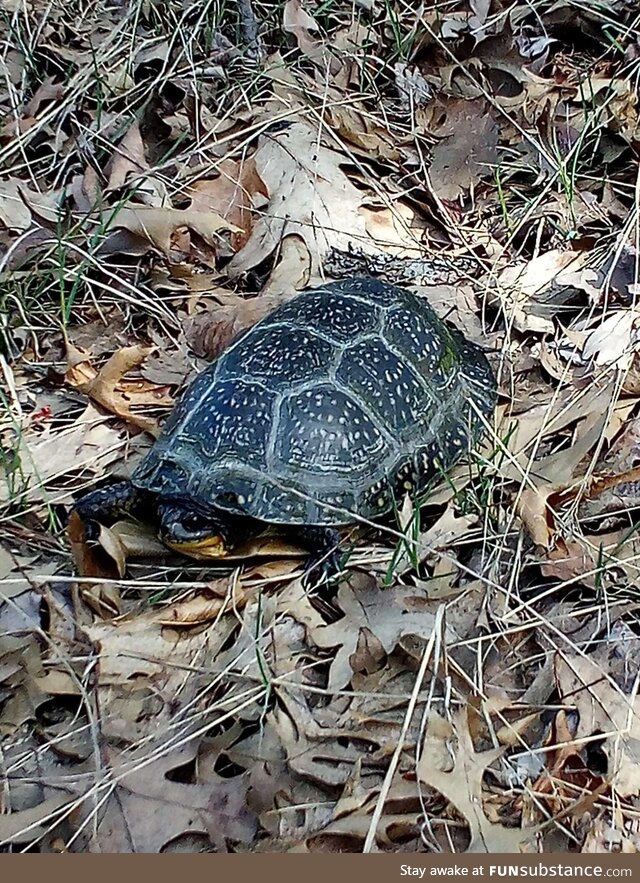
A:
x: 169, y: 173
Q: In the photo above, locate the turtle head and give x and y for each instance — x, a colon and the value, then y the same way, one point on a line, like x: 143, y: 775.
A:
x: 191, y: 531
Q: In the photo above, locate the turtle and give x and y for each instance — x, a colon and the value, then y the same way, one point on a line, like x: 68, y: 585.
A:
x: 326, y: 412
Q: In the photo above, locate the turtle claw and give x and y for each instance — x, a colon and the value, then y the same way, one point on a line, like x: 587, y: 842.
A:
x: 91, y: 530
x: 322, y: 570
x: 324, y: 564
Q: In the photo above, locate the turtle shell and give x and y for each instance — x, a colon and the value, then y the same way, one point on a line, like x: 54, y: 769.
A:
x: 324, y: 412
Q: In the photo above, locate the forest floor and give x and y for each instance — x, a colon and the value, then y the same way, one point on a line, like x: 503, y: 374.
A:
x: 169, y: 173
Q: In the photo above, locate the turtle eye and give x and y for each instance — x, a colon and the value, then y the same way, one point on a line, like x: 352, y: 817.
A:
x: 193, y: 522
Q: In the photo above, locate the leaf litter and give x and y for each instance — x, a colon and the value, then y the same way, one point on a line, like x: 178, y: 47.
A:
x: 472, y: 686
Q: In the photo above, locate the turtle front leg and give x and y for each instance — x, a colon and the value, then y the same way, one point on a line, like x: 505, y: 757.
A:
x: 323, y: 544
x: 107, y: 504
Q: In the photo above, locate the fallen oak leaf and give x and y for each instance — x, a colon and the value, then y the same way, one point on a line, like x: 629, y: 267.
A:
x: 107, y: 389
x: 374, y: 619
x: 128, y: 159
x: 297, y: 21
x: 229, y: 196
x: 462, y: 785
x: 160, y: 225
x: 28, y: 825
x: 149, y: 808
x: 129, y: 166
x: 606, y: 712
x: 468, y: 151
x: 309, y: 195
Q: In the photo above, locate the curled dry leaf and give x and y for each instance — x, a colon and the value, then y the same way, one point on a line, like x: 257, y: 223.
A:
x: 363, y: 133
x: 209, y: 334
x: 137, y: 540
x: 536, y: 515
x: 616, y: 343
x: 533, y: 292
x: 231, y: 196
x: 104, y: 560
x: 292, y: 270
x: 297, y: 21
x: 88, y: 561
x: 108, y: 388
x: 160, y: 226
x: 129, y: 165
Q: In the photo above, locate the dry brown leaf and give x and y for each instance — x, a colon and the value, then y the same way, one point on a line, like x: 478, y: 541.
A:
x: 462, y: 785
x: 230, y: 196
x: 128, y: 159
x: 382, y: 616
x: 309, y: 196
x: 88, y: 559
x: 160, y: 225
x: 604, y: 710
x: 292, y: 270
x: 28, y: 825
x: 533, y: 292
x: 108, y: 388
x: 442, y: 535
x: 588, y: 409
x: 296, y: 21
x: 149, y: 808
x: 209, y: 334
x: 128, y: 166
x: 570, y: 559
x: 14, y: 213
x: 21, y: 673
x: 614, y: 340
x: 142, y: 670
x: 536, y: 515
x: 363, y: 133
x: 137, y: 540
x: 45, y: 458
x: 468, y: 151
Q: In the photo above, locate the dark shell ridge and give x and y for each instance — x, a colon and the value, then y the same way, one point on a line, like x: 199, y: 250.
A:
x: 325, y: 410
